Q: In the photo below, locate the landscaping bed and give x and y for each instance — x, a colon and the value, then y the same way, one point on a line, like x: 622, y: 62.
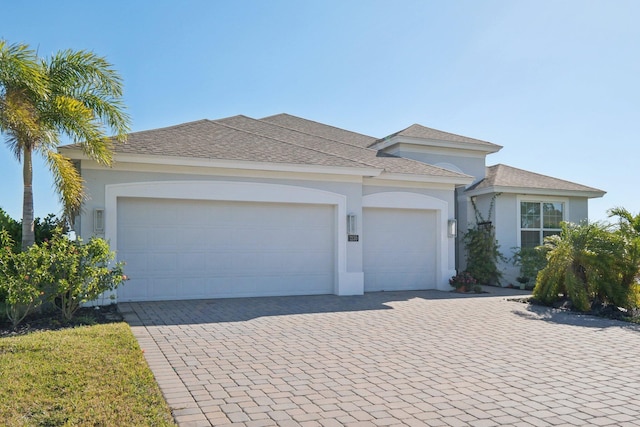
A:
x: 599, y: 310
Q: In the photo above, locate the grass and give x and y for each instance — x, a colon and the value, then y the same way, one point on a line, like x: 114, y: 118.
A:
x: 89, y: 375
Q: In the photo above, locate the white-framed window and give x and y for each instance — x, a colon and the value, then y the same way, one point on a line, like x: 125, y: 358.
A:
x: 539, y: 219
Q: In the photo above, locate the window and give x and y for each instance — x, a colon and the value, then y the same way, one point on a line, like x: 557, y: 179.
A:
x: 539, y: 220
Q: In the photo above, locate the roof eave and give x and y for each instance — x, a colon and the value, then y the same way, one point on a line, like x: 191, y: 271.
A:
x: 487, y: 148
x: 455, y: 180
x: 230, y: 164
x: 590, y: 194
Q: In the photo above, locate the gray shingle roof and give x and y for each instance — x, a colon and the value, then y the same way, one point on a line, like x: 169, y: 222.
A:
x: 208, y: 139
x: 506, y: 176
x: 271, y: 140
x: 422, y: 132
x: 365, y: 156
x: 319, y: 129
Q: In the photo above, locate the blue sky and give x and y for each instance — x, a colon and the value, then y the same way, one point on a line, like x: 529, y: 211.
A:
x: 554, y: 82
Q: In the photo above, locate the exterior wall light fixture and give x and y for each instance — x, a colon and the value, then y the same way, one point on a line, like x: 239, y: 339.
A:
x: 98, y: 221
x: 352, y: 224
x: 452, y: 228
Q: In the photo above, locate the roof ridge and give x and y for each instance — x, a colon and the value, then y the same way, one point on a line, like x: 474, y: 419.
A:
x: 171, y: 127
x: 436, y: 130
x: 291, y: 143
x: 318, y: 123
x: 313, y: 134
x: 357, y: 146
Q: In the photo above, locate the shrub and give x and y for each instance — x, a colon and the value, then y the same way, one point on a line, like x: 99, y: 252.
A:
x: 530, y: 261
x: 483, y: 254
x: 463, y: 280
x: 23, y: 276
x: 81, y: 272
x: 64, y: 272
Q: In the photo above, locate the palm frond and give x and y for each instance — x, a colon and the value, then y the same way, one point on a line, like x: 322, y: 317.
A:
x: 67, y: 181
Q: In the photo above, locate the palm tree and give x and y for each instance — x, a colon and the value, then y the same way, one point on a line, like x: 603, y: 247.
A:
x: 73, y: 94
x: 627, y: 220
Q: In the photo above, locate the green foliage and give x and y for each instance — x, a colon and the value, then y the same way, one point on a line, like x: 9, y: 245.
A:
x: 74, y: 94
x: 82, y: 376
x: 482, y: 248
x: 61, y: 271
x: 43, y: 228
x: 463, y: 280
x: 530, y: 261
x: 590, y: 264
x: 23, y: 276
x: 12, y: 227
x: 81, y: 272
x: 483, y: 254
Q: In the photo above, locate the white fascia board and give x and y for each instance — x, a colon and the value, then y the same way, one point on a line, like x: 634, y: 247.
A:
x: 231, y: 164
x: 536, y: 192
x: 436, y: 143
x: 461, y: 180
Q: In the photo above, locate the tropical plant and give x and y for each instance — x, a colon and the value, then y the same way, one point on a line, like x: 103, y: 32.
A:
x: 628, y: 222
x: 590, y: 264
x: 73, y: 94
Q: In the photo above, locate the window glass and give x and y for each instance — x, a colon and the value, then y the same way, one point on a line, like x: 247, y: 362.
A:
x: 529, y: 239
x: 552, y: 214
x: 539, y: 220
x: 530, y: 215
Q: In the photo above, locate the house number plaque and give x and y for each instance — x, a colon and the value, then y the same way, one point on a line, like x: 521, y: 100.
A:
x: 353, y: 238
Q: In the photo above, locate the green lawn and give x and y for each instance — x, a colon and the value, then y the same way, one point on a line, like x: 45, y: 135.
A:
x: 88, y: 375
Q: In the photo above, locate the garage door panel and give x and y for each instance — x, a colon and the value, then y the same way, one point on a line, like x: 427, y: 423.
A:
x: 227, y: 249
x: 399, y: 249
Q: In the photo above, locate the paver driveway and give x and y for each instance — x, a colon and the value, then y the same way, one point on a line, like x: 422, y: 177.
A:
x: 396, y: 358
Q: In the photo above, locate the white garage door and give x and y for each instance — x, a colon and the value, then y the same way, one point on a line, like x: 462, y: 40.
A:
x: 184, y: 249
x: 399, y: 249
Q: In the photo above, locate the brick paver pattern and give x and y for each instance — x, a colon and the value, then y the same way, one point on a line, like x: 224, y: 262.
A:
x: 384, y: 359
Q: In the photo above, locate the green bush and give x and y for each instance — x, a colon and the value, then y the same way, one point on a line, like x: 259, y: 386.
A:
x: 64, y: 272
x: 43, y: 228
x: 483, y: 254
x: 81, y: 272
x: 23, y: 277
x: 590, y: 264
x: 530, y: 261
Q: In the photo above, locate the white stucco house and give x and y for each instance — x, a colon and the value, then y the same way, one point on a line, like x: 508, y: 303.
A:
x: 287, y: 206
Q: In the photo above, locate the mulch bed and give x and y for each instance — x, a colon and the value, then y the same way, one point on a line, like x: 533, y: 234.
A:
x: 598, y: 310
x: 52, y: 320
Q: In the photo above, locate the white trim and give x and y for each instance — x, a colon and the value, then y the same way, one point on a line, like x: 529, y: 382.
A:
x: 487, y: 147
x: 241, y: 192
x: 527, y: 198
x: 229, y: 164
x: 536, y: 192
x: 453, y: 180
x: 407, y: 200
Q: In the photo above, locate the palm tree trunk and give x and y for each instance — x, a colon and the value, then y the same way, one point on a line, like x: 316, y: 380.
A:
x: 28, y: 233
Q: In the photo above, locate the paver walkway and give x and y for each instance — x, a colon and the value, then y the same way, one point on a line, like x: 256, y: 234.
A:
x: 397, y: 358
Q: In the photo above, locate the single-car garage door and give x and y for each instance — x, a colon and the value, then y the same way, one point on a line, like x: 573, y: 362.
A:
x: 399, y: 249
x: 185, y: 249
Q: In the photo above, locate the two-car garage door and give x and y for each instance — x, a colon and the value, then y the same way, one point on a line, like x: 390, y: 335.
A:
x: 182, y: 249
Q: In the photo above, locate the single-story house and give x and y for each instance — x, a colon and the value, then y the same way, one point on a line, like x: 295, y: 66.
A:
x: 283, y: 205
